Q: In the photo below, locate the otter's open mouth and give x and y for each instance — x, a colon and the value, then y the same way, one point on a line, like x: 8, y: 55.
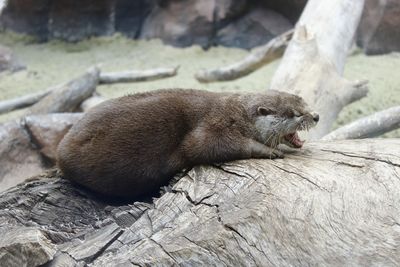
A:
x: 293, y: 140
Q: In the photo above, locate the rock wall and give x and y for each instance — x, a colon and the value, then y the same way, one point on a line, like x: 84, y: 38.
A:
x: 235, y: 23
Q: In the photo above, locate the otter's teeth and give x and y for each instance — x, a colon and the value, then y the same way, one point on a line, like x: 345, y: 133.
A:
x: 294, y: 140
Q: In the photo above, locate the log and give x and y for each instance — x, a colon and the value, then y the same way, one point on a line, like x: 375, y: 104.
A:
x: 69, y: 96
x: 22, y: 101
x: 92, y: 102
x: 313, y: 63
x: 137, y: 76
x: 28, y: 145
x: 286, y: 212
x: 259, y: 57
x: 371, y: 126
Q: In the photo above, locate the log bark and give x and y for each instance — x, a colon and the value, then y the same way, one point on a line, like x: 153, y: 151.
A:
x: 313, y: 63
x: 287, y: 212
x: 371, y: 126
x: 21, y: 102
x: 69, y: 96
x: 256, y: 59
x: 137, y: 76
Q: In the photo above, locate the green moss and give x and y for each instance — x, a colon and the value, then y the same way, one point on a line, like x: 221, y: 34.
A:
x: 56, y: 62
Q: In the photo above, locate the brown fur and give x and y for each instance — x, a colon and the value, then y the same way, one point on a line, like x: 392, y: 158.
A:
x: 132, y: 145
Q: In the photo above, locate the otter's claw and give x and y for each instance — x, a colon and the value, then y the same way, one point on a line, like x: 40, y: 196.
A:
x: 276, y: 154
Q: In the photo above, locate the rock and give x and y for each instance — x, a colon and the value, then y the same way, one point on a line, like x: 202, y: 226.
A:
x: 19, y: 158
x: 75, y: 20
x: 291, y: 9
x: 48, y: 130
x: 379, y: 30
x: 183, y: 23
x: 27, y: 16
x: 253, y: 29
x: 24, y: 246
x: 130, y: 15
x: 8, y: 61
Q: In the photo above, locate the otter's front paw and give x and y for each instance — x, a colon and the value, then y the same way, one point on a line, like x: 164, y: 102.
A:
x: 276, y: 154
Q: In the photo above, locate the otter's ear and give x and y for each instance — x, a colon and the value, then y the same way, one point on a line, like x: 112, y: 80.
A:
x: 263, y: 111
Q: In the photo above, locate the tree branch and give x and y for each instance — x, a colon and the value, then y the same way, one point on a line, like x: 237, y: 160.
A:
x: 371, y: 126
x: 256, y: 59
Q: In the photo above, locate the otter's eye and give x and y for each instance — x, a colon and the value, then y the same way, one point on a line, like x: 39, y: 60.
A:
x: 263, y: 111
x: 289, y: 113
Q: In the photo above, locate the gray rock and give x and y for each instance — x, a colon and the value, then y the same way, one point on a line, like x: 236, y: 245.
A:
x: 379, y: 30
x: 253, y: 29
x: 75, y: 20
x: 183, y: 23
x: 27, y: 16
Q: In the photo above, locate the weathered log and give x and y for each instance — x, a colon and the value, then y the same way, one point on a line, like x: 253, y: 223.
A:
x: 287, y: 212
x: 47, y: 130
x: 137, y: 76
x: 91, y: 102
x: 19, y: 158
x: 259, y: 57
x: 69, y: 96
x: 21, y: 102
x: 313, y: 63
x: 371, y: 126
x: 28, y: 145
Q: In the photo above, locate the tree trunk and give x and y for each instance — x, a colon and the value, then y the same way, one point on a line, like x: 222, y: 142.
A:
x: 313, y: 63
x: 287, y: 212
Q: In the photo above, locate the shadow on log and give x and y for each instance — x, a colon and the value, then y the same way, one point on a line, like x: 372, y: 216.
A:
x: 292, y: 211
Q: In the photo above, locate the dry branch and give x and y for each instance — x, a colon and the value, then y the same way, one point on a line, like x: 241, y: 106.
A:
x: 91, y: 102
x: 69, y: 96
x: 137, y: 76
x: 313, y: 63
x: 287, y: 212
x: 370, y: 126
x: 259, y: 57
x: 21, y: 102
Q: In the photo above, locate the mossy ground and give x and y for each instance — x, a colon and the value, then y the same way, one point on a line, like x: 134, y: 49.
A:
x: 56, y: 62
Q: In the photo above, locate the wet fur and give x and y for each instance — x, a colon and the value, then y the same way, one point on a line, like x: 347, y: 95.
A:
x: 130, y: 146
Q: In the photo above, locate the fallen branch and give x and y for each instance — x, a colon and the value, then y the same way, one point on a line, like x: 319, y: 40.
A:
x: 371, y: 126
x: 91, y: 102
x: 137, y: 76
x: 69, y: 96
x: 256, y: 59
x: 21, y: 102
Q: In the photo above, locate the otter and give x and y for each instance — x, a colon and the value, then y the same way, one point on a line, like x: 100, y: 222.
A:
x: 130, y: 146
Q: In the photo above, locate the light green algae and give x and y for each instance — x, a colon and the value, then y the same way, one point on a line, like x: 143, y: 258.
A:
x: 56, y: 62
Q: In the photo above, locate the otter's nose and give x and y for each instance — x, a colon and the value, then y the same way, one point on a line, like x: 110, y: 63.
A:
x: 315, y: 117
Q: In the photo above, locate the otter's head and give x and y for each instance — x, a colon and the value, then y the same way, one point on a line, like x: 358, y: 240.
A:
x: 279, y: 116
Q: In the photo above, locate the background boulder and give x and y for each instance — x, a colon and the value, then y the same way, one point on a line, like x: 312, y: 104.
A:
x: 236, y: 23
